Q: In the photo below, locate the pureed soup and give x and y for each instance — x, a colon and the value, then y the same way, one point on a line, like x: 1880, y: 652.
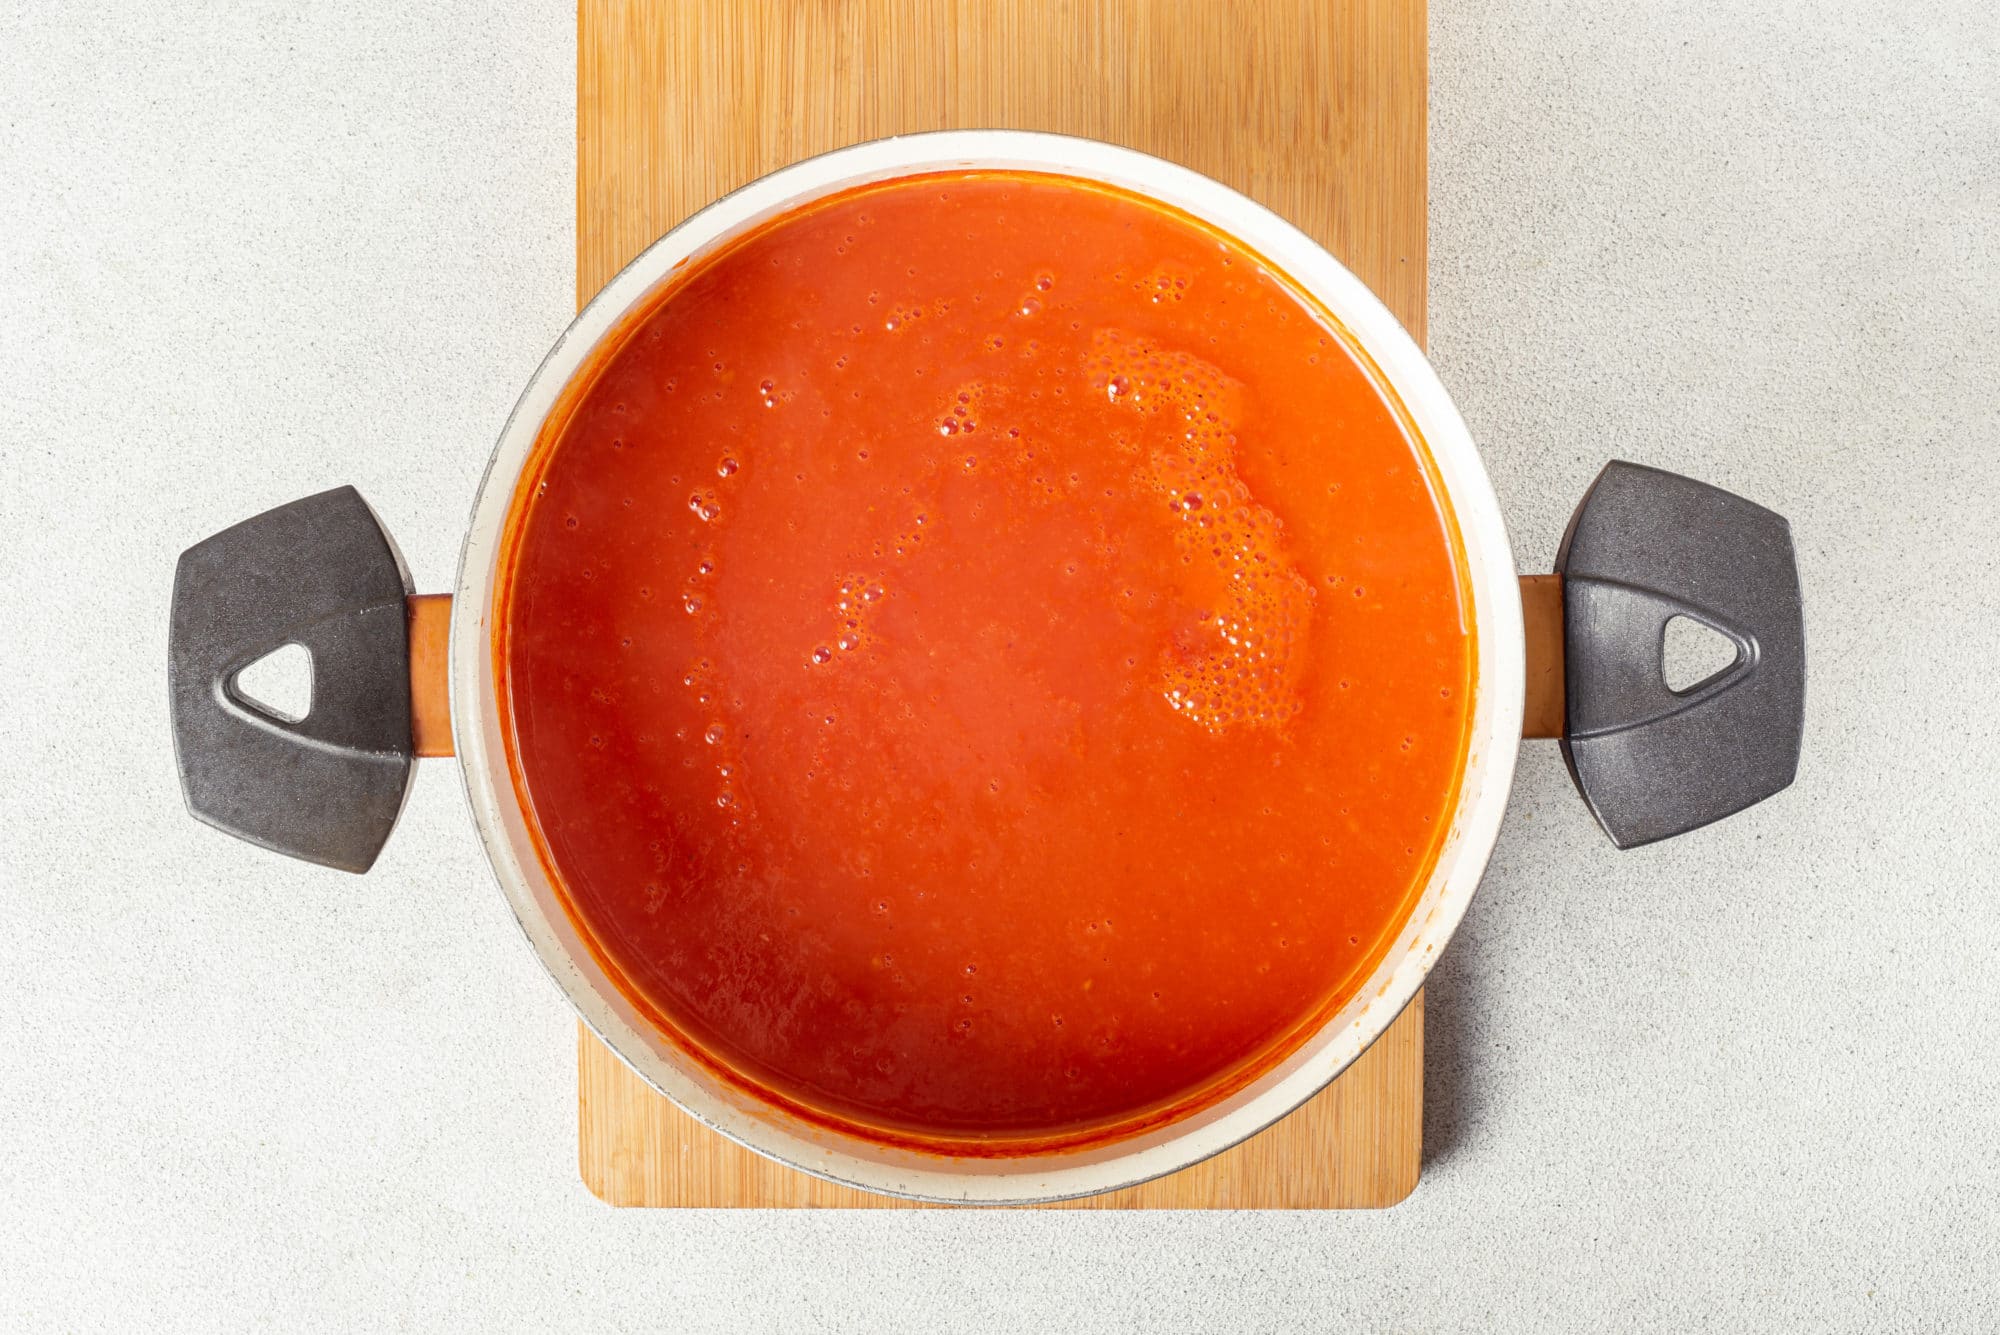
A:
x: 987, y: 667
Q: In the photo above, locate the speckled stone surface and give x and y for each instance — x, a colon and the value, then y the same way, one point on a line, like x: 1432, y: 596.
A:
x: 1743, y: 1080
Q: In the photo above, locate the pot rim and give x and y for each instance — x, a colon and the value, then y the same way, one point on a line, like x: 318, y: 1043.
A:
x: 1405, y: 374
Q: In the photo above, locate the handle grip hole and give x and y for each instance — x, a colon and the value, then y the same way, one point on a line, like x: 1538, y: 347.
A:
x: 1692, y: 654
x: 279, y: 684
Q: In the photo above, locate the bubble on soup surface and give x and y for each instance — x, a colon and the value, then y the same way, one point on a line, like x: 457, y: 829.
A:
x: 1245, y: 664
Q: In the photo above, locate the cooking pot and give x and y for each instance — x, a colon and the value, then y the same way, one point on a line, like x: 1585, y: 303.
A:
x: 1576, y: 655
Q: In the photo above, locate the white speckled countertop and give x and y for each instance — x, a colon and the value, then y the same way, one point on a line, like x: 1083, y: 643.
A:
x: 1750, y: 1078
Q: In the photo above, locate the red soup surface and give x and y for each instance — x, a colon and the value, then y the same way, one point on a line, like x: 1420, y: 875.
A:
x: 988, y: 667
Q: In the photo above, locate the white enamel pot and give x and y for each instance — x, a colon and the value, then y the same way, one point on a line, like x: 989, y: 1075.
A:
x: 1644, y: 547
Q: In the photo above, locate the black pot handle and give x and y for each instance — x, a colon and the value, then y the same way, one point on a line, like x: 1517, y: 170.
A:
x: 320, y: 573
x: 1646, y: 546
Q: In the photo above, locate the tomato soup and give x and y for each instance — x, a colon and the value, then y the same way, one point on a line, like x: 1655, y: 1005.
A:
x: 987, y: 665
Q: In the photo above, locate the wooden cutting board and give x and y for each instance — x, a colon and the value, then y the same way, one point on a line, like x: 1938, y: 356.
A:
x: 1312, y: 107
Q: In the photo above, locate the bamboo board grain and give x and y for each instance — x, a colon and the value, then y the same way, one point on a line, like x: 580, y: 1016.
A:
x: 1313, y: 107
